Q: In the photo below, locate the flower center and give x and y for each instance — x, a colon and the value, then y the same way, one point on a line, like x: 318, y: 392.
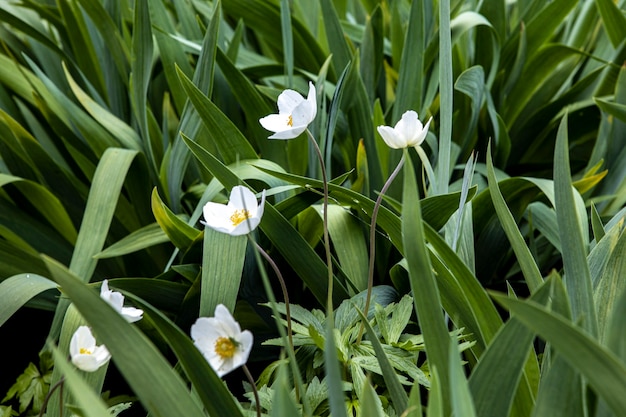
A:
x: 84, y: 351
x: 290, y: 121
x: 239, y: 216
x: 225, y: 347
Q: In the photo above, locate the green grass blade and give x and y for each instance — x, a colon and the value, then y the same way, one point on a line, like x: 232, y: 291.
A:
x: 461, y: 397
x: 409, y: 92
x: 444, y: 162
x: 285, y: 26
x: 336, y: 397
x: 397, y: 393
x: 425, y: 292
x: 141, y: 66
x: 335, y: 36
x: 574, y: 245
x: 614, y: 21
x: 525, y: 258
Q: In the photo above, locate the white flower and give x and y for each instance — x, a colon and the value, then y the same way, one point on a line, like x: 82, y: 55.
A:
x: 84, y: 352
x: 116, y: 300
x: 408, y: 132
x: 294, y: 114
x: 221, y: 341
x: 241, y: 215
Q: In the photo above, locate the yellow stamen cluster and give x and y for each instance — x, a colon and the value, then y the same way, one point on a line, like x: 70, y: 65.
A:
x: 84, y: 351
x: 239, y: 216
x: 290, y: 121
x: 225, y: 347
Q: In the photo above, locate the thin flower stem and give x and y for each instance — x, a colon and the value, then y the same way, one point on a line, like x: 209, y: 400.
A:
x: 46, y: 400
x: 370, y: 274
x: 283, y: 287
x: 254, y: 390
x: 329, y: 260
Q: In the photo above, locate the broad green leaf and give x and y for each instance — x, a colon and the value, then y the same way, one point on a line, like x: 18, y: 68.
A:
x: 610, y: 286
x: 222, y: 266
x: 179, y: 232
x: 370, y: 403
x: 503, y: 361
x: 574, y: 244
x: 145, y: 237
x: 105, y: 191
x: 602, y: 369
x: 46, y: 203
x: 227, y: 137
x: 349, y: 244
x: 18, y: 290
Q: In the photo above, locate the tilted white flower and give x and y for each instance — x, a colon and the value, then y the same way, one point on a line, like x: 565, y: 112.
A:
x: 84, y: 352
x: 241, y: 215
x: 221, y: 341
x: 408, y: 132
x: 294, y: 114
x: 116, y: 300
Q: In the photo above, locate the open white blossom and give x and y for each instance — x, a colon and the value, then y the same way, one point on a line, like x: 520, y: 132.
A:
x: 116, y: 300
x: 408, y: 132
x: 295, y: 113
x: 84, y: 352
x: 221, y: 341
x: 240, y: 216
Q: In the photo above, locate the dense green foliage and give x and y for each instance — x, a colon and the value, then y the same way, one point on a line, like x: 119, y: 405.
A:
x: 499, y: 273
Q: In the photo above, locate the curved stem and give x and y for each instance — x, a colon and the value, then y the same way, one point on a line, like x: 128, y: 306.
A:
x: 283, y: 287
x: 254, y: 389
x: 58, y: 385
x: 329, y: 260
x: 370, y: 273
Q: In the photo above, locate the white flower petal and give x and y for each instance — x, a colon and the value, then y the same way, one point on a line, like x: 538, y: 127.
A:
x: 242, y: 198
x: 84, y: 353
x: 226, y: 321
x: 390, y: 136
x: 132, y: 314
x: 291, y: 133
x: 276, y: 122
x: 409, y: 126
x: 288, y: 100
x: 295, y: 113
x: 408, y: 131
